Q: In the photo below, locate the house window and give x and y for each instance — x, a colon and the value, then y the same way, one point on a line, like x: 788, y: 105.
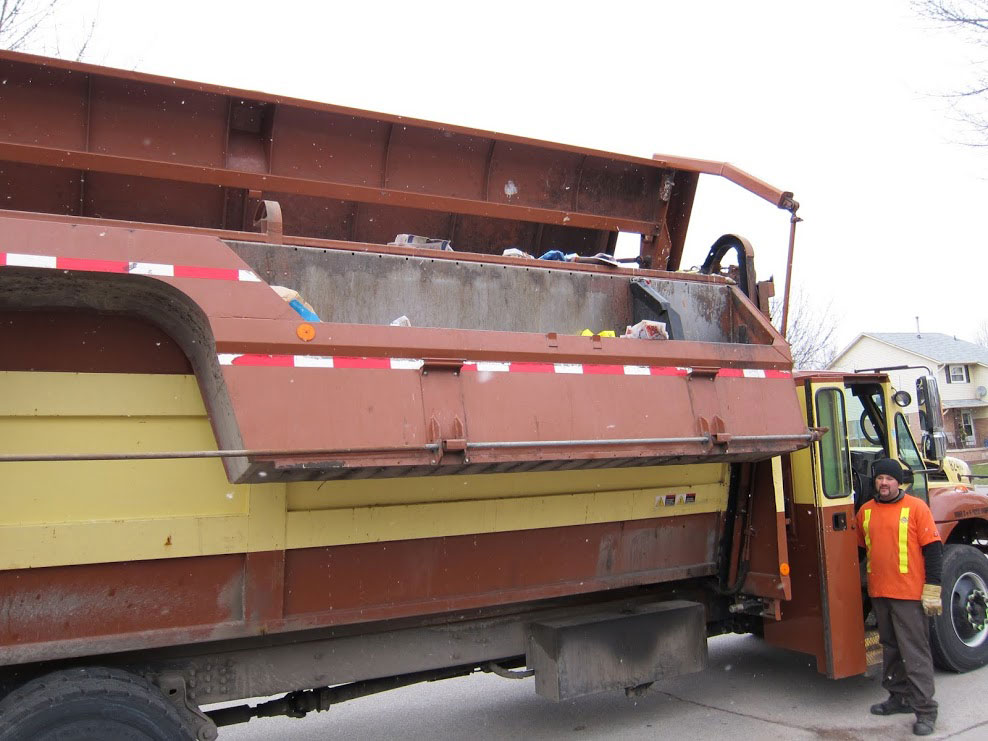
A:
x: 958, y: 374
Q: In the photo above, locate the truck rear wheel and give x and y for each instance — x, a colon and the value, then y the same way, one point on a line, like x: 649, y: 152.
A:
x: 90, y: 704
x: 960, y: 635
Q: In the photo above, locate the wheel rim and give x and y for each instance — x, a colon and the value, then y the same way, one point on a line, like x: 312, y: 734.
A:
x: 969, y: 609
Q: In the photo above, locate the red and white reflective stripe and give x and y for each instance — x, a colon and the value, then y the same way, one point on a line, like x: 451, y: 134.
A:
x: 16, y: 259
x: 752, y: 373
x: 584, y: 369
x: 319, y: 361
x: 486, y: 366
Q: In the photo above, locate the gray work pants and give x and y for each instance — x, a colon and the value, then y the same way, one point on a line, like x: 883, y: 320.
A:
x: 904, y: 632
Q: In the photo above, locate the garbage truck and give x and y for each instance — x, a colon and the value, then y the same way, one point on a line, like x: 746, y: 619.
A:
x: 294, y: 405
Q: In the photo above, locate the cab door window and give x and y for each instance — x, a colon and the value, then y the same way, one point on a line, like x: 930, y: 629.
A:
x: 835, y: 466
x: 909, y: 455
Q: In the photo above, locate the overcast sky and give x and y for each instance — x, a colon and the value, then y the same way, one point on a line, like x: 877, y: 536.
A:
x: 839, y: 102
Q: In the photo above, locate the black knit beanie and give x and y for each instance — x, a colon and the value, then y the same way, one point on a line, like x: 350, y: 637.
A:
x: 888, y: 467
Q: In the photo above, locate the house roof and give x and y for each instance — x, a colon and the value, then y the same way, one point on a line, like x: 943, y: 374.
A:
x: 941, y: 348
x: 964, y: 403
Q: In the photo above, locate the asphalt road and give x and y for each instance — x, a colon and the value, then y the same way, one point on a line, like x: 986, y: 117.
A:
x: 749, y: 691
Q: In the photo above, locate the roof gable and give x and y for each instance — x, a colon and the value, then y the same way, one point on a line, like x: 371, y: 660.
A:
x: 942, y: 348
x: 875, y: 338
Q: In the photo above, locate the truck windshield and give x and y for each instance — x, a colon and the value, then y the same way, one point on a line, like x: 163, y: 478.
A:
x: 909, y: 454
x: 865, y: 420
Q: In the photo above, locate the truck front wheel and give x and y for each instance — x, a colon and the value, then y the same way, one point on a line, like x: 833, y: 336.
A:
x: 960, y: 635
x: 90, y: 704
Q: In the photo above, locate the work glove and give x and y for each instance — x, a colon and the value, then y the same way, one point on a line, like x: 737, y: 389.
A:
x: 932, y: 604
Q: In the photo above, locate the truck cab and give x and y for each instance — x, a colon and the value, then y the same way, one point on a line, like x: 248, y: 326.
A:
x: 826, y: 484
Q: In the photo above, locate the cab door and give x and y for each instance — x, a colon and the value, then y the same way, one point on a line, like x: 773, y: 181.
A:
x: 825, y: 615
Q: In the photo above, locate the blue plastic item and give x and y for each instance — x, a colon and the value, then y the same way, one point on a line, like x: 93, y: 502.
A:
x: 309, y: 316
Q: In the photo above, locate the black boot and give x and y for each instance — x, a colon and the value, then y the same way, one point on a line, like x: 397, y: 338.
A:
x: 925, y: 724
x: 893, y: 705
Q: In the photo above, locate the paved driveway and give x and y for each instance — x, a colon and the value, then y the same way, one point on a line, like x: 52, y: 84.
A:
x: 750, y: 691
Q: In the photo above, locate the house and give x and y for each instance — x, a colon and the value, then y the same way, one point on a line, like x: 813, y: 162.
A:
x: 961, y: 369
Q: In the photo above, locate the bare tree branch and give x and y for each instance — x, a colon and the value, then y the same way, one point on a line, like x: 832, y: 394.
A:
x: 811, y: 333
x: 962, y: 14
x: 969, y: 19
x: 30, y: 25
x: 982, y: 336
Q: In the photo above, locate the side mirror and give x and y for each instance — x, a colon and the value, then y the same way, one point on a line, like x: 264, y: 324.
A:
x: 931, y: 418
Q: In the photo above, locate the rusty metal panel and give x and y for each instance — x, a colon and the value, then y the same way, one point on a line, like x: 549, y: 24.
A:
x: 159, y: 137
x: 64, y: 611
x: 50, y: 190
x: 842, y: 601
x: 801, y: 628
x: 808, y: 617
x: 65, y: 603
x: 767, y: 549
x: 417, y: 157
x: 171, y: 124
x: 579, y: 655
x: 44, y: 105
x: 86, y: 342
x: 110, y: 196
x: 329, y: 146
x: 378, y: 580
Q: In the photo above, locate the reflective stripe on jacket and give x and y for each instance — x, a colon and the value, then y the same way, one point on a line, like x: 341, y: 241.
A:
x: 893, y: 535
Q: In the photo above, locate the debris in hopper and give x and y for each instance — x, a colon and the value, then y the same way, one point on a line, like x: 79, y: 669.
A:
x: 515, y: 252
x: 647, y: 329
x: 302, y: 308
x: 414, y: 240
x: 603, y: 333
x: 601, y: 258
x: 402, y: 321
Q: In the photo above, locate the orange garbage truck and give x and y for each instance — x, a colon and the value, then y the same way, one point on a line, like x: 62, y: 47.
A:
x: 294, y: 403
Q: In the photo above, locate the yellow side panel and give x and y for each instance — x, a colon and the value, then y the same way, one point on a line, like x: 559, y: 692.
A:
x: 266, y: 523
x: 424, y: 520
x: 802, y: 468
x: 777, y: 484
x: 91, y: 413
x: 98, y: 395
x: 338, y: 494
x: 94, y: 511
x: 57, y: 544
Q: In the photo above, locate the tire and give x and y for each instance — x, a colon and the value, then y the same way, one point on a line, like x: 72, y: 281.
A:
x: 90, y: 704
x: 959, y: 636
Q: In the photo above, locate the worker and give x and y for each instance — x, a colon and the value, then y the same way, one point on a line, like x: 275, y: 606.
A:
x: 904, y: 563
